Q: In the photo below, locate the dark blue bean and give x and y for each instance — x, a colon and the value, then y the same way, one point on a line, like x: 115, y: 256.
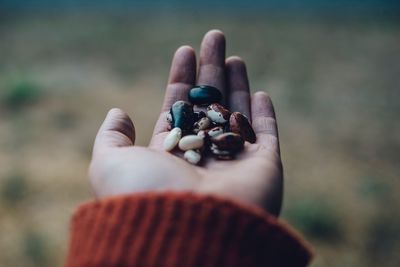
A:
x: 182, y: 116
x: 204, y: 95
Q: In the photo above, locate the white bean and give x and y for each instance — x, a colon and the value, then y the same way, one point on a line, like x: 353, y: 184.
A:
x: 172, y: 139
x: 192, y: 156
x: 191, y: 142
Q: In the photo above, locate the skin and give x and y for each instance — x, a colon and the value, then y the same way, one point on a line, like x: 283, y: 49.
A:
x: 255, y: 177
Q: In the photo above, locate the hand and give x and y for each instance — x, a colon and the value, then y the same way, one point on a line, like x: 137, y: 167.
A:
x: 254, y: 177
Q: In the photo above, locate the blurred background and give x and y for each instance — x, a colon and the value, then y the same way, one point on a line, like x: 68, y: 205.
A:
x: 331, y: 67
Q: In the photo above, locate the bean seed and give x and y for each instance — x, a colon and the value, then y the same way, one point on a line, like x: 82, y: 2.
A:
x: 217, y: 113
x: 229, y: 141
x: 168, y: 116
x: 202, y: 124
x: 214, y: 132
x: 239, y: 124
x: 221, y: 154
x: 192, y: 156
x: 182, y: 116
x: 204, y: 95
x: 199, y: 114
x: 172, y: 139
x: 202, y: 134
x: 191, y: 142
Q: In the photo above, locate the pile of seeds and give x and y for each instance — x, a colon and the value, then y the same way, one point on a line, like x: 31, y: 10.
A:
x: 216, y: 132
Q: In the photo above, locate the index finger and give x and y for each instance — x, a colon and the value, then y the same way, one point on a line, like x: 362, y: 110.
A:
x: 181, y: 79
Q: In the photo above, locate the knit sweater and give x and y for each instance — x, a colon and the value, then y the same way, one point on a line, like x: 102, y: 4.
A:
x: 180, y: 229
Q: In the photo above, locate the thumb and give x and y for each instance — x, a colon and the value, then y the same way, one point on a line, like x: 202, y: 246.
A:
x: 117, y: 130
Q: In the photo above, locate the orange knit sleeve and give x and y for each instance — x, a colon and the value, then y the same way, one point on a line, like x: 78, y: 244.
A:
x: 180, y: 229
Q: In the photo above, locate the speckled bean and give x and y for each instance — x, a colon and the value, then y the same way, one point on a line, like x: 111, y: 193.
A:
x: 217, y: 113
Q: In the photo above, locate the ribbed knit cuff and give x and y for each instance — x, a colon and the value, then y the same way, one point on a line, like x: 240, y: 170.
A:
x: 180, y: 229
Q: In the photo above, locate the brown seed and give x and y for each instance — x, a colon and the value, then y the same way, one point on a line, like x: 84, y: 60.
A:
x: 221, y: 154
x: 214, y: 132
x: 217, y: 113
x: 201, y: 124
x: 230, y: 142
x: 239, y: 124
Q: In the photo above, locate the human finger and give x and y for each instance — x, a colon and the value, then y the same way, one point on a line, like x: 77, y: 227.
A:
x: 181, y: 79
x: 264, y: 121
x: 117, y: 130
x: 238, y: 84
x: 212, y: 61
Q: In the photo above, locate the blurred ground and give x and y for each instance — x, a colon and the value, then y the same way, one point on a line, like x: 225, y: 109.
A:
x: 335, y: 85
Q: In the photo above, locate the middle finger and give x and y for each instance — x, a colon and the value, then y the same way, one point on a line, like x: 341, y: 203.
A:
x: 212, y: 61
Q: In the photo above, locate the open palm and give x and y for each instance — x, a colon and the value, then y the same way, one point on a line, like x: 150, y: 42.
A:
x: 253, y: 177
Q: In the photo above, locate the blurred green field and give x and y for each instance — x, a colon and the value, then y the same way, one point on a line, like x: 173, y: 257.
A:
x: 335, y: 85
